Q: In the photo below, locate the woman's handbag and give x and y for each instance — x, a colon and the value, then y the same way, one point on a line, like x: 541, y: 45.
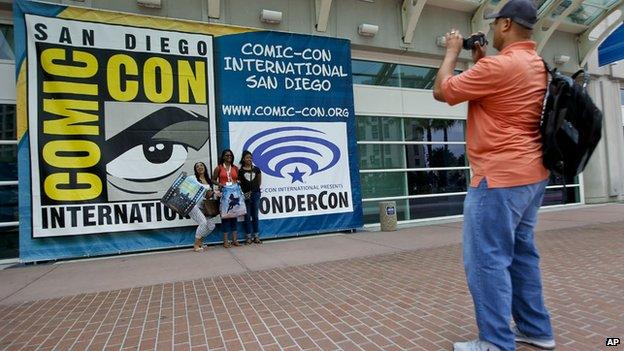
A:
x: 210, y: 207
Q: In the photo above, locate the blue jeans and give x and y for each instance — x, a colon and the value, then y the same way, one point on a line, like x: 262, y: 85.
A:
x: 228, y: 225
x: 502, y: 262
x: 251, y: 218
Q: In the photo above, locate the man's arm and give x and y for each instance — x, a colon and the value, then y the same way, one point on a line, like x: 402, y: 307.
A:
x: 454, y: 42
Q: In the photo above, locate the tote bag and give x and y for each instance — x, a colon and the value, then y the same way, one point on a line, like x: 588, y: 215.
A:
x: 183, y: 194
x: 232, y: 202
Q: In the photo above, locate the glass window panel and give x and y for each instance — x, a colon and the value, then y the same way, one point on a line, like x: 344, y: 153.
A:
x: 562, y: 7
x: 436, y: 206
x: 8, y: 162
x: 371, y: 128
x: 8, y: 129
x: 381, y: 156
x: 371, y: 211
x: 429, y: 129
x: 392, y: 74
x: 417, y: 77
x: 8, y: 205
x: 375, y: 73
x: 437, y: 182
x: 383, y: 184
x: 6, y: 42
x: 539, y: 4
x: 555, y: 196
x: 9, y: 247
x: 603, y: 3
x: 585, y: 14
x: 435, y: 155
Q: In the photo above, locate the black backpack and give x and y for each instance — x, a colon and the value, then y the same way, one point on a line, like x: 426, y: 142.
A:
x: 571, y: 125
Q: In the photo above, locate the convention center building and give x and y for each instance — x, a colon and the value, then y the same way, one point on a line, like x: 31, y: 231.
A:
x: 411, y: 149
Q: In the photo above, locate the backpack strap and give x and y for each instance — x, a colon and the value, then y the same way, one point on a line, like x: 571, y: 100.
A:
x: 577, y: 73
x: 549, y: 76
x: 585, y: 77
x: 547, y: 66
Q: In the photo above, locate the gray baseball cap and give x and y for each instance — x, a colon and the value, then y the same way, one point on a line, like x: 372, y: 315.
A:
x: 522, y: 12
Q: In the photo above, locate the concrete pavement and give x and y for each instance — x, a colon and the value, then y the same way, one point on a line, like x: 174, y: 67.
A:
x: 34, y: 282
x: 403, y: 290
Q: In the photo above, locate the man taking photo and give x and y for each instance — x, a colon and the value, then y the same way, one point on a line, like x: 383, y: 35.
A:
x: 505, y: 94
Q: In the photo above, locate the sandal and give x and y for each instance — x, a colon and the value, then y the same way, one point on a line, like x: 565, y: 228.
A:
x: 235, y: 243
x: 257, y: 240
x: 226, y: 244
x: 198, y: 249
x: 248, y: 241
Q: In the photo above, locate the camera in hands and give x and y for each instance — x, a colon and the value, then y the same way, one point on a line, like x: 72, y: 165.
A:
x: 469, y: 43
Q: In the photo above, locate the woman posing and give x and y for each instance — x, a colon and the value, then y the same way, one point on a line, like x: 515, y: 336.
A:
x: 205, y: 226
x: 226, y: 173
x: 250, y: 181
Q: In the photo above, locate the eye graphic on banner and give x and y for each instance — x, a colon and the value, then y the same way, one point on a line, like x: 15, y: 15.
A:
x: 153, y: 149
x: 158, y: 143
x: 274, y: 152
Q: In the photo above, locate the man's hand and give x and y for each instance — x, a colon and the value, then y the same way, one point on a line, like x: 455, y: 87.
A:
x: 454, y: 42
x: 478, y: 51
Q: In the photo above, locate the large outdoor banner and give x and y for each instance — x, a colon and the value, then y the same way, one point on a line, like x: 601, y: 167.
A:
x: 293, y: 109
x: 112, y: 123
x: 112, y: 108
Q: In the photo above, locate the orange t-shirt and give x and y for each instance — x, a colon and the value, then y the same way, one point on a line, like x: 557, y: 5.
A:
x: 505, y: 94
x: 223, y: 175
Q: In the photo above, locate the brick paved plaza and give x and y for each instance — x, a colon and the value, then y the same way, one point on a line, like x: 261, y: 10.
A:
x: 406, y: 300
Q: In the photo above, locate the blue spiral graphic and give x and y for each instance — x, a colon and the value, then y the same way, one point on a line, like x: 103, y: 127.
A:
x: 273, y: 148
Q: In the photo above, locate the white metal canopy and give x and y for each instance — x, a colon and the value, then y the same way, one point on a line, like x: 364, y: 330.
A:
x: 590, y: 20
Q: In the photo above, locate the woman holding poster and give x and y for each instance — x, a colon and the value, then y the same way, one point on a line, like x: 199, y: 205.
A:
x: 205, y: 225
x: 250, y: 180
x: 226, y: 174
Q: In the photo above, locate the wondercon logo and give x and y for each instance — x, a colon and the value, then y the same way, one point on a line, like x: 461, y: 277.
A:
x: 276, y: 150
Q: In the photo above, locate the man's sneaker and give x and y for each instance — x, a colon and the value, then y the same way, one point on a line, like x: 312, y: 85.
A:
x: 544, y: 344
x: 475, y: 345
